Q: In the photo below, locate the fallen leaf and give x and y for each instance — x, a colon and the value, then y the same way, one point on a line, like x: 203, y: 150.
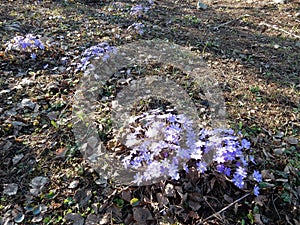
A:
x: 141, y: 215
x: 10, y: 189
x: 73, y: 184
x: 75, y: 218
x: 17, y: 158
x: 169, y: 190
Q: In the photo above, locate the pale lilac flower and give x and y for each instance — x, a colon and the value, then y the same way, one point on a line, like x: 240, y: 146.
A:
x: 152, y: 132
x: 183, y: 153
x: 201, y: 166
x: 185, y: 167
x: 127, y: 161
x: 173, y: 171
x: 196, y: 153
x: 101, y: 50
x: 28, y: 44
x: 131, y: 140
x: 153, y: 171
x: 137, y: 10
x: 161, y: 150
x: 138, y: 27
x: 138, y: 178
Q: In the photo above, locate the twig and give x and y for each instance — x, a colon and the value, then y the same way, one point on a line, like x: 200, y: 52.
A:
x: 278, y: 29
x: 216, y: 214
x: 230, y: 21
x: 231, y: 204
x: 273, y: 201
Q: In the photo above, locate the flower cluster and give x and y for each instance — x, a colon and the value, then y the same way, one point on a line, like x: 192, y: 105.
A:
x: 101, y: 50
x: 25, y: 44
x: 139, y: 11
x: 164, y: 144
x: 138, y: 27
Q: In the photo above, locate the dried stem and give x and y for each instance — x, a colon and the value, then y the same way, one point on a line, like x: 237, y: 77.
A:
x: 231, y: 204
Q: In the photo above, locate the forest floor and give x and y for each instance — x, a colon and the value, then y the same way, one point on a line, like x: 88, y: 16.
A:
x: 252, y: 47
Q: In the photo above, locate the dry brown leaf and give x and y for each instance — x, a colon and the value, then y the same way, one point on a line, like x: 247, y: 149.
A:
x: 142, y: 215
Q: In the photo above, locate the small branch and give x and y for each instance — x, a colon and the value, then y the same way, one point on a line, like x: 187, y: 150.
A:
x: 230, y: 21
x: 231, y: 204
x: 278, y: 29
x: 275, y: 208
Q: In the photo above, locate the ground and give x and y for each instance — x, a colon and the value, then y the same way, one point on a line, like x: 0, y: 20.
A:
x: 253, y: 50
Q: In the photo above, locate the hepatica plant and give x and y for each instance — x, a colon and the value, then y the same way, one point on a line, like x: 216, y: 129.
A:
x: 101, y: 50
x: 166, y: 143
x: 137, y: 27
x: 28, y: 44
x: 139, y: 11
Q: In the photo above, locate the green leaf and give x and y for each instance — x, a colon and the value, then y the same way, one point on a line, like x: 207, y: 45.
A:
x: 243, y: 222
x: 286, y: 197
x: 134, y: 201
x: 119, y: 202
x: 54, y: 124
x: 250, y: 217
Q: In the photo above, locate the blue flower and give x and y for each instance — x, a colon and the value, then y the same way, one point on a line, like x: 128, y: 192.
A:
x: 257, y: 176
x: 25, y: 44
x: 251, y: 158
x: 244, y: 161
x: 238, y: 180
x: 191, y: 138
x: 39, y: 44
x: 171, y: 118
x: 151, y: 2
x: 33, y: 55
x: 241, y: 172
x: 220, y: 168
x: 238, y: 177
x: 223, y: 169
x: 245, y: 144
x: 227, y: 171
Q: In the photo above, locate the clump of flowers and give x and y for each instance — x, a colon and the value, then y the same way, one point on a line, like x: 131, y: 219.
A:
x: 101, y: 50
x: 164, y: 144
x: 139, y: 10
x: 28, y: 45
x: 137, y: 27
